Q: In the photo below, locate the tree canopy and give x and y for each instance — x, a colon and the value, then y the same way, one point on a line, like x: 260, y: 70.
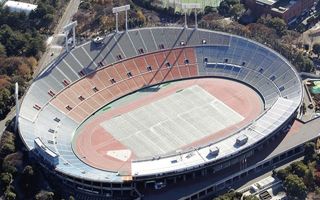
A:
x: 295, y: 187
x: 316, y: 49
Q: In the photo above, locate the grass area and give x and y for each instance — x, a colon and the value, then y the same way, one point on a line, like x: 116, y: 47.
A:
x: 203, y: 4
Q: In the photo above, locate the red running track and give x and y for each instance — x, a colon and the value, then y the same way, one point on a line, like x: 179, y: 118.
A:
x: 92, y: 142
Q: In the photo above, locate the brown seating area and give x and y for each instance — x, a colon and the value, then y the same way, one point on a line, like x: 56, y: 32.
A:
x: 93, y: 91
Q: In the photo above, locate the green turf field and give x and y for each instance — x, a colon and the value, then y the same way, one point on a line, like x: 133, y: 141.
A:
x: 203, y: 3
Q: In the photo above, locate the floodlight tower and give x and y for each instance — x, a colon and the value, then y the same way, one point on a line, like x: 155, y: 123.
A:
x: 189, y: 6
x: 116, y: 11
x: 17, y: 106
x: 66, y: 30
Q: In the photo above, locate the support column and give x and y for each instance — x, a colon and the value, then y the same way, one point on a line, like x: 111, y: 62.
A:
x: 196, y: 19
x: 67, y: 46
x: 17, y: 107
x: 126, y: 20
x: 185, y: 19
x: 74, y: 36
x: 117, y: 30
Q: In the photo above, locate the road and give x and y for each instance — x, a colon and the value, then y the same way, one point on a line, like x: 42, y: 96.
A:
x: 53, y: 47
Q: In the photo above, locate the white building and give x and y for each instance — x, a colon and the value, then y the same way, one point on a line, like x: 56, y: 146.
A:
x: 17, y: 6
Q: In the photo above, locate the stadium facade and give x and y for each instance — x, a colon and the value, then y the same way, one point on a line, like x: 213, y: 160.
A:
x: 54, y: 108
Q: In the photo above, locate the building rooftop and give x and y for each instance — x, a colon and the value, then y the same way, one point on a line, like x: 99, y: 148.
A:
x: 266, y: 2
x: 17, y: 6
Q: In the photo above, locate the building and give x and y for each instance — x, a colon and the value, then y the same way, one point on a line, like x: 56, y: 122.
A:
x: 288, y: 10
x: 149, y: 143
x: 17, y: 6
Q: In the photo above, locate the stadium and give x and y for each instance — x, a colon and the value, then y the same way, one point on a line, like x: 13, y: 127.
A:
x: 151, y: 106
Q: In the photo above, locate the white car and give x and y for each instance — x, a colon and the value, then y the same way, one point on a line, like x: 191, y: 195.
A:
x: 98, y: 40
x: 159, y: 185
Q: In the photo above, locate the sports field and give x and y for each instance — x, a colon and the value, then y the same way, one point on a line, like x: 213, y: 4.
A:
x: 165, y: 119
x: 177, y: 4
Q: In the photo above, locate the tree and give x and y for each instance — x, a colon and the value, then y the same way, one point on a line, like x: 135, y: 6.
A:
x: 276, y: 23
x: 27, y: 178
x: 295, y: 187
x: 309, y: 180
x: 44, y: 195
x: 224, y: 8
x: 250, y: 197
x: 3, y: 52
x: 9, y: 193
x: 6, y: 178
x: 282, y: 173
x: 237, y: 11
x: 28, y: 171
x: 316, y: 49
x: 141, y: 17
x: 230, y: 196
x: 209, y: 9
x: 299, y: 168
x: 8, y: 167
x: 71, y: 198
x: 303, y: 63
x: 232, y: 2
x: 7, y: 148
x: 279, y: 25
x: 309, y: 150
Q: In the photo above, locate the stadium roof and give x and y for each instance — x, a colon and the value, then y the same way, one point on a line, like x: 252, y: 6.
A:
x: 247, y: 61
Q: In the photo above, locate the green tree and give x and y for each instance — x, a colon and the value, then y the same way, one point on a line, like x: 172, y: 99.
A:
x: 299, y: 168
x: 27, y: 178
x: 316, y: 49
x: 8, y: 167
x: 295, y: 187
x: 7, y: 148
x: 209, y: 9
x: 13, y: 41
x: 232, y: 2
x: 28, y: 171
x: 309, y: 149
x: 44, y: 195
x: 230, y: 196
x: 71, y: 198
x: 309, y: 180
x: 9, y: 193
x: 250, y: 197
x: 279, y: 25
x: 282, y: 173
x: 303, y: 63
x: 224, y: 8
x: 237, y: 11
x: 276, y: 23
x: 6, y: 178
x: 3, y: 52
